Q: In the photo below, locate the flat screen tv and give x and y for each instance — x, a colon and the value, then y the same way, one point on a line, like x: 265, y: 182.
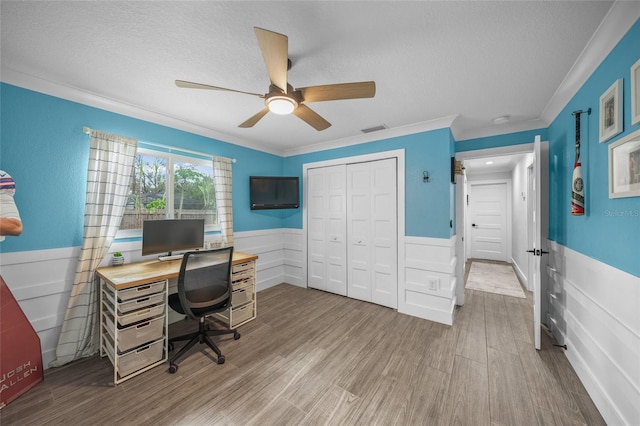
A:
x: 169, y: 235
x: 274, y: 192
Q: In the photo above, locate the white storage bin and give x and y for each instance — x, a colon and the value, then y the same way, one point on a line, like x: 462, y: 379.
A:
x: 140, y: 291
x: 140, y: 315
x: 240, y: 297
x: 137, y: 359
x: 140, y: 303
x: 241, y: 314
x: 137, y: 334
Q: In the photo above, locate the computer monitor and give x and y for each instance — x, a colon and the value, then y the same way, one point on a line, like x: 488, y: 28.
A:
x: 169, y: 235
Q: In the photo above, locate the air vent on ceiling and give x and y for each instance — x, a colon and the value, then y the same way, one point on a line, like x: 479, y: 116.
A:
x: 374, y: 129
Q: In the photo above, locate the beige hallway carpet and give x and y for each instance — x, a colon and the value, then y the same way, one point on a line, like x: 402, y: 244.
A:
x: 494, y: 278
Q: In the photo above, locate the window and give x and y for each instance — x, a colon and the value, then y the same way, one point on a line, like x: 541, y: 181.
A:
x: 167, y: 185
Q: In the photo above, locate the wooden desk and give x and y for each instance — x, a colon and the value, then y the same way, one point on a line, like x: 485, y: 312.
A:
x: 137, y: 273
x: 134, y: 314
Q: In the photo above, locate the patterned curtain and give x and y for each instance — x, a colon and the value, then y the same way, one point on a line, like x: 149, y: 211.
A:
x: 111, y: 159
x: 222, y: 181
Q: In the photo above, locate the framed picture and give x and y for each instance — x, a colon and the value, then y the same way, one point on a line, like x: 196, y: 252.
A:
x: 624, y: 167
x: 635, y: 93
x: 611, y: 111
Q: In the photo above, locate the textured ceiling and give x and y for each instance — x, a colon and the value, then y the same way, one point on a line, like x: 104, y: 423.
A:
x: 430, y: 60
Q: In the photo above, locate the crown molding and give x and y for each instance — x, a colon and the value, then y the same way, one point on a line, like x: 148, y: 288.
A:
x: 423, y: 126
x: 74, y: 94
x: 523, y: 148
x: 617, y: 22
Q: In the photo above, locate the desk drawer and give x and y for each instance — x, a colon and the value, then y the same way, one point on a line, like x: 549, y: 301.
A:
x: 235, y: 316
x: 137, y: 359
x: 243, y: 271
x: 140, y: 291
x: 247, y: 282
x: 140, y: 303
x: 142, y: 333
x: 241, y: 314
x: 140, y: 315
x: 136, y: 334
x: 240, y: 297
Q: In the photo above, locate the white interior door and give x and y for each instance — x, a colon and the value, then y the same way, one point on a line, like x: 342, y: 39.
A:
x: 336, y: 246
x: 326, y: 219
x: 531, y: 201
x: 540, y: 225
x: 488, y: 215
x: 371, y: 232
x: 461, y: 190
x: 537, y: 240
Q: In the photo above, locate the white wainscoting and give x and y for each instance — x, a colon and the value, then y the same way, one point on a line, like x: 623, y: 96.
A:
x: 595, y: 311
x: 427, y: 283
x: 279, y: 254
x: 41, y: 282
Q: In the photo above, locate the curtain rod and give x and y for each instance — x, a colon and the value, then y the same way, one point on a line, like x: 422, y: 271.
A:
x: 88, y: 131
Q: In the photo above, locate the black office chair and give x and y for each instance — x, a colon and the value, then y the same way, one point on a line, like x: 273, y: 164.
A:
x: 204, y: 288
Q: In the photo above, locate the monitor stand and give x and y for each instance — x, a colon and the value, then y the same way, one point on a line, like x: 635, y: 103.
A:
x: 170, y: 256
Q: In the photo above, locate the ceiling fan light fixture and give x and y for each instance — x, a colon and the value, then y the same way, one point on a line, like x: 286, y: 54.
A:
x: 282, y: 105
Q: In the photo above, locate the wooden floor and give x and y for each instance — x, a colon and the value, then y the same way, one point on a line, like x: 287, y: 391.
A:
x: 316, y: 358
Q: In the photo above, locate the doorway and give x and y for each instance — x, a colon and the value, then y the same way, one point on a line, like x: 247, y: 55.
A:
x: 522, y: 220
x: 496, y: 171
x: 489, y: 209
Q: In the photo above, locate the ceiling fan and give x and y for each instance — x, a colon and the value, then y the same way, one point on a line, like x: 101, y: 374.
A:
x: 282, y: 98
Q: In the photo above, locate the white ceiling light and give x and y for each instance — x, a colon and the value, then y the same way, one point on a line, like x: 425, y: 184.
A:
x: 501, y: 120
x: 489, y: 162
x: 281, y: 104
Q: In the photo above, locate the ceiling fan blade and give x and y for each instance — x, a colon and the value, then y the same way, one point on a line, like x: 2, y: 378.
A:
x: 191, y: 85
x: 254, y: 119
x: 311, y: 117
x: 275, y: 51
x: 334, y: 92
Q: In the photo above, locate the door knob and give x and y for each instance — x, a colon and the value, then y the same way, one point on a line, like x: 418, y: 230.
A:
x: 473, y: 224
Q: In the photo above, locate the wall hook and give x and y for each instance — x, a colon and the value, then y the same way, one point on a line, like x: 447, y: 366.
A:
x: 587, y: 111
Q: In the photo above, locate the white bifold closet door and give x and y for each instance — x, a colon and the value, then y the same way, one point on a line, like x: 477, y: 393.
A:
x: 352, y: 230
x: 372, y: 232
x: 327, y: 228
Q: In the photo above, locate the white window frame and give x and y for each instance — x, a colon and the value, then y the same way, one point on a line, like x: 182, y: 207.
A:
x: 172, y: 155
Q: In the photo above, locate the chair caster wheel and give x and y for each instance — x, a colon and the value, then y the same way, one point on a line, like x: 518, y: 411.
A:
x: 236, y: 335
x: 221, y: 359
x: 173, y: 368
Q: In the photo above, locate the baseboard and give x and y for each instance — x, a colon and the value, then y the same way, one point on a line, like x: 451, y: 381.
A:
x: 521, y: 276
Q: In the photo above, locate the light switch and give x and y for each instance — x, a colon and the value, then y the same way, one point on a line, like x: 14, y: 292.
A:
x: 434, y: 283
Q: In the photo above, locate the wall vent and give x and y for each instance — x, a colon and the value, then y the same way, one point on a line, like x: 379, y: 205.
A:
x: 374, y: 129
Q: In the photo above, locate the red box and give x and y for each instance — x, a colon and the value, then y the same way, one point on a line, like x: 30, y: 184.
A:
x: 20, y: 353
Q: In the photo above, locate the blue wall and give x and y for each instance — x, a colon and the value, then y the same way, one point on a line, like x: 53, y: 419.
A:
x: 427, y: 205
x: 43, y: 147
x: 610, y: 229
